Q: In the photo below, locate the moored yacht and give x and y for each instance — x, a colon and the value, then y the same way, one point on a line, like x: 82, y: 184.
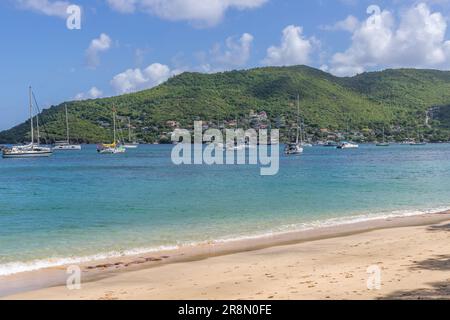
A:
x: 66, y: 145
x: 114, y: 147
x: 130, y: 144
x: 295, y: 148
x: 347, y: 145
x: 418, y: 143
x: 33, y: 149
x: 330, y: 144
x: 384, y: 143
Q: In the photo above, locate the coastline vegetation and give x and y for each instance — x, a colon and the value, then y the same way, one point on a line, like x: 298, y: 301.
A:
x: 407, y: 103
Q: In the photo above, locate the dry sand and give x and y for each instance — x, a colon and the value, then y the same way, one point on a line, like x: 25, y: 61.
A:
x: 413, y: 255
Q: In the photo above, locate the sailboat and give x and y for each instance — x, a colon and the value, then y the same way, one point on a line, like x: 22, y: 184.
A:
x: 33, y: 149
x: 347, y: 144
x: 236, y: 145
x: 384, y: 143
x: 304, y: 143
x: 130, y: 144
x: 295, y: 148
x: 66, y: 145
x: 419, y: 141
x: 114, y: 147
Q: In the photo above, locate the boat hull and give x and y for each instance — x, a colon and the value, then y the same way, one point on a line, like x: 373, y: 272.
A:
x: 111, y: 150
x: 130, y: 146
x: 293, y: 150
x: 26, y: 155
x: 67, y: 148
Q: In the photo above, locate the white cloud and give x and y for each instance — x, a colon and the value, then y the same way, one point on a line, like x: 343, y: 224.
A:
x: 93, y: 93
x: 349, y: 24
x: 123, y: 6
x: 294, y: 49
x: 49, y: 8
x: 101, y: 44
x: 202, y: 12
x: 139, y: 79
x: 418, y: 40
x: 236, y: 53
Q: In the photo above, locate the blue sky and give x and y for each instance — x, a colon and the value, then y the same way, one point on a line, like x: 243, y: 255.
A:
x: 129, y: 45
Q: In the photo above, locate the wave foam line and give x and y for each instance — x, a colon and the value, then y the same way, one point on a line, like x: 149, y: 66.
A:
x: 19, y: 267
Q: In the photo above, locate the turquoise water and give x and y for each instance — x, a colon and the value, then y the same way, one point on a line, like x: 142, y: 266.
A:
x: 81, y: 204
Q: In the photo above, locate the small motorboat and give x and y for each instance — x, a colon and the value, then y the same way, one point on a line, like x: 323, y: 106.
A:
x: 347, y: 145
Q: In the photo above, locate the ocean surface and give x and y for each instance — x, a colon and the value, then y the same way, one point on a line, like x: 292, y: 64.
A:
x: 78, y: 206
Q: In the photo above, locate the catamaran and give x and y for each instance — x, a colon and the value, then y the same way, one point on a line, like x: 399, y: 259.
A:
x: 66, y: 145
x: 114, y: 147
x: 32, y: 149
x: 295, y: 148
x: 130, y: 144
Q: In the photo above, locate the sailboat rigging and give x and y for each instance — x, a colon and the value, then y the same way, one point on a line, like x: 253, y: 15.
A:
x: 295, y: 148
x: 114, y: 147
x: 66, y: 145
x: 33, y: 149
x: 130, y: 144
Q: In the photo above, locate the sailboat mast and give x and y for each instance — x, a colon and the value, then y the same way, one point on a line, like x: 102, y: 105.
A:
x: 114, y: 122
x: 298, y: 118
x: 31, y: 117
x: 67, y: 124
x: 37, y: 130
x: 129, y: 129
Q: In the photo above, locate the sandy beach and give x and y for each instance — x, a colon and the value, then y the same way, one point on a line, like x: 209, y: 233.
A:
x: 412, y: 254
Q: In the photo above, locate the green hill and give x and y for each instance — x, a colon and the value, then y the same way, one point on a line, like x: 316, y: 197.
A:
x: 397, y: 100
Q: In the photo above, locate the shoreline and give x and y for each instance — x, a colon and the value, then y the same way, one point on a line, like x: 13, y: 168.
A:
x: 283, y: 232
x: 95, y: 271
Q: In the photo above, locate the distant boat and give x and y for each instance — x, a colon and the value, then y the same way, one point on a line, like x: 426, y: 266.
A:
x: 347, y: 145
x: 330, y: 144
x: 295, y: 148
x: 113, y: 148
x: 33, y: 149
x: 419, y: 141
x: 304, y: 142
x: 66, y: 145
x: 130, y: 144
x: 384, y: 143
x: 235, y: 145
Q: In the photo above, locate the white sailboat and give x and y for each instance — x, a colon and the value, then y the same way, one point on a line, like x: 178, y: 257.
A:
x: 66, y: 145
x: 295, y: 148
x: 114, y: 147
x: 305, y: 143
x: 236, y: 145
x: 130, y: 144
x: 33, y: 149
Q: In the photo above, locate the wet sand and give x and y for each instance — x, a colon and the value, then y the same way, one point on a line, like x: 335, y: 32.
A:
x: 412, y: 254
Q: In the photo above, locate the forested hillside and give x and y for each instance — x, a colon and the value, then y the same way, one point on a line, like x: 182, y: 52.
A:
x: 398, y: 100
